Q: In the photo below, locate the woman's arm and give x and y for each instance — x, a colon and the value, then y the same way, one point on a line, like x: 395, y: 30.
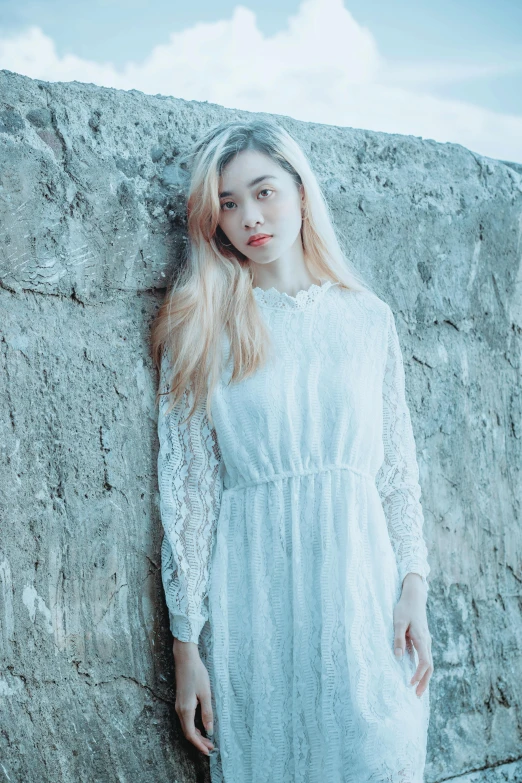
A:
x: 190, y: 484
x: 398, y: 477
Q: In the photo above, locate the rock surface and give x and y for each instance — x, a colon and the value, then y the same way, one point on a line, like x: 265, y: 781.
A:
x: 92, y: 221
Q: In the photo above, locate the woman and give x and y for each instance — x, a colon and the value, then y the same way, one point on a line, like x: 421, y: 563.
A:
x: 293, y: 560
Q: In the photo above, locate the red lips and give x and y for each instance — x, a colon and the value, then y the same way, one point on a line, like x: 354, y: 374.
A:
x: 258, y: 239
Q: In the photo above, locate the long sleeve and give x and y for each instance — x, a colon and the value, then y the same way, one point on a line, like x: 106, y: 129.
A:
x: 190, y: 486
x: 398, y: 477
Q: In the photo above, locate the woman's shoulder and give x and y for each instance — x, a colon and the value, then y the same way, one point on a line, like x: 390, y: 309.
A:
x: 368, y: 302
x: 369, y: 314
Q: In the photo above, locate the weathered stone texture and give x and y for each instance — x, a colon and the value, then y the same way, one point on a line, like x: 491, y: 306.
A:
x: 92, y: 224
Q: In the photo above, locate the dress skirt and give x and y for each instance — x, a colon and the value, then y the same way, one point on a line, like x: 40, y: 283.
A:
x: 306, y: 687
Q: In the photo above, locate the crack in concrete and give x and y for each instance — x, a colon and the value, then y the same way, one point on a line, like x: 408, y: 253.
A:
x: 136, y: 682
x: 484, y: 768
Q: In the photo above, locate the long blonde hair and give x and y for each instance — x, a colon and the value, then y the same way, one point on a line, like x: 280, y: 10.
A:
x: 211, y: 293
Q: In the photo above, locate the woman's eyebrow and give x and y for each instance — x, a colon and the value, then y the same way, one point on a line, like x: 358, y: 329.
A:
x: 250, y: 184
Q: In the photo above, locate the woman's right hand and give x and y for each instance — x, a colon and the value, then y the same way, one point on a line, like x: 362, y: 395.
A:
x: 192, y: 685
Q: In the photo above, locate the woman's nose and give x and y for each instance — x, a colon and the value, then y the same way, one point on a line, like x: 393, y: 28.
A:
x: 251, y: 216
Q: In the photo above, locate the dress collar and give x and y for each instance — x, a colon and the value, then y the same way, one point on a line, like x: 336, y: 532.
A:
x: 279, y: 300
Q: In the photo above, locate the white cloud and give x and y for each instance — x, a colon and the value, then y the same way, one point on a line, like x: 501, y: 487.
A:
x: 324, y: 67
x: 445, y: 72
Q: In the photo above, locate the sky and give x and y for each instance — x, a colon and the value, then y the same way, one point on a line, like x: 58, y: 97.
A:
x: 448, y: 71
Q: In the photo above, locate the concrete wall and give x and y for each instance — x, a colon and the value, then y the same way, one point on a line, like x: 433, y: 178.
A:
x: 91, y: 224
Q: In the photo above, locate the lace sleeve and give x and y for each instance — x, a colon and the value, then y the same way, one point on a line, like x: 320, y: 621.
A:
x: 190, y: 486
x: 398, y: 477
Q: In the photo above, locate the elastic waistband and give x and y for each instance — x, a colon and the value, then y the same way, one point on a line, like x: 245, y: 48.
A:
x: 294, y: 474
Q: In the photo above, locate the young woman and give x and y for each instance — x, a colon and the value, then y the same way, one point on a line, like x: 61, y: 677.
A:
x: 293, y: 561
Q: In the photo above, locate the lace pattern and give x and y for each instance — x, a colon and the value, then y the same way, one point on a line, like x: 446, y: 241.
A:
x: 280, y: 300
x: 190, y: 483
x: 398, y: 478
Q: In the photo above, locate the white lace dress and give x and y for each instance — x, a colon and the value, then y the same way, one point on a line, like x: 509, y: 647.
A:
x: 289, y: 527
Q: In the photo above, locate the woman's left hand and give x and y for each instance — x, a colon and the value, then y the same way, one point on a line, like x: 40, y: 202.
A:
x: 410, y: 623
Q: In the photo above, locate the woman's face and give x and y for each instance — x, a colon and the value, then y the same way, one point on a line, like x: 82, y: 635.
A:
x: 257, y: 196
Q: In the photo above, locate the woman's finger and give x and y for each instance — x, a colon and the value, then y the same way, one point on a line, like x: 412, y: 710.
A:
x: 206, y: 710
x: 186, y: 716
x: 423, y: 684
x: 425, y: 665
x: 399, y: 642
x: 208, y: 742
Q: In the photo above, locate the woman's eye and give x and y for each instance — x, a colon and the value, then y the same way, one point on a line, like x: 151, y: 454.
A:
x: 224, y: 204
